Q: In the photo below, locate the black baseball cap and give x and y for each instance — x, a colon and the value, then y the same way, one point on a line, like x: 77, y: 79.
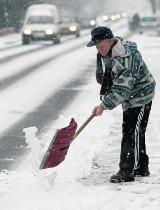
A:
x: 99, y: 34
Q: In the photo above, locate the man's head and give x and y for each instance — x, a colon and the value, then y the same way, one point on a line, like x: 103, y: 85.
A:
x: 99, y: 34
x: 102, y: 38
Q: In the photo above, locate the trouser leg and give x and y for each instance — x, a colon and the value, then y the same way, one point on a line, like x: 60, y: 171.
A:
x: 143, y: 157
x: 143, y: 127
x: 133, y: 136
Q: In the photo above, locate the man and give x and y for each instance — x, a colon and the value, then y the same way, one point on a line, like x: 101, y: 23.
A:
x: 126, y: 81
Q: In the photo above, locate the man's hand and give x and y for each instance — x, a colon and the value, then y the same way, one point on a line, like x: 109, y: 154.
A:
x: 98, y: 110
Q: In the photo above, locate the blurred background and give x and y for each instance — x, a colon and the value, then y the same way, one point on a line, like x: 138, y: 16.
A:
x: 12, y: 12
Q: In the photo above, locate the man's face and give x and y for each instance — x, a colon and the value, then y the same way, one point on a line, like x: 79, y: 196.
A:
x: 104, y: 46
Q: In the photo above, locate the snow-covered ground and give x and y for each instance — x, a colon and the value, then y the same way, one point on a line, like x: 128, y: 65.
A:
x: 81, y: 182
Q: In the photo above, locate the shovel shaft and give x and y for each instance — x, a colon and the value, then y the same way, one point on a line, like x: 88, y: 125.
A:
x: 83, y: 126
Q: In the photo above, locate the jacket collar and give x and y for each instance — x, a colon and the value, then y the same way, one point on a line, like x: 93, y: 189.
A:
x: 119, y: 49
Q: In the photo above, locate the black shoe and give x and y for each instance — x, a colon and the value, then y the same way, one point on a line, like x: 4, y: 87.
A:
x: 122, y: 176
x: 143, y: 171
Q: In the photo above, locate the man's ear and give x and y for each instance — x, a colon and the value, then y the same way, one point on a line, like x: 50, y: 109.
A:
x: 112, y: 40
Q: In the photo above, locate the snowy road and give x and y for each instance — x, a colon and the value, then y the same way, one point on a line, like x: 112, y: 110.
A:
x: 81, y: 182
x: 31, y: 77
x: 36, y: 83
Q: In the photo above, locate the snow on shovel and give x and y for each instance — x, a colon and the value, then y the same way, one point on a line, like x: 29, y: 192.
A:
x: 60, y: 144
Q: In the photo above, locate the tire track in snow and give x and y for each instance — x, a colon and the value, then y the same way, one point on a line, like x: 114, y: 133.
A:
x: 10, y: 80
x: 35, y: 67
x: 19, y: 54
x: 10, y: 47
x: 28, y: 51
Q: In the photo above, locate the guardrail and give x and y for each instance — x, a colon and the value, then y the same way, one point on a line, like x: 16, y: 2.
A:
x: 5, y: 31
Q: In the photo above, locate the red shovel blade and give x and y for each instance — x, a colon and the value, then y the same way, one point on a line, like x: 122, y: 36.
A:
x: 59, y: 146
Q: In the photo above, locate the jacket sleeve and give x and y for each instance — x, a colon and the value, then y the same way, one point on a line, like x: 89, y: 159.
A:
x: 123, y: 83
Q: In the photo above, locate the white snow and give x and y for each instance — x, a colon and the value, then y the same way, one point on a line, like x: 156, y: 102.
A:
x: 81, y: 181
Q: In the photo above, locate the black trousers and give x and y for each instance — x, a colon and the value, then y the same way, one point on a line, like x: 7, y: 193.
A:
x: 133, y: 136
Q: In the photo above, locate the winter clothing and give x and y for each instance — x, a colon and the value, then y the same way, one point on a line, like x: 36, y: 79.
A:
x: 106, y: 79
x: 98, y: 34
x: 128, y: 82
x: 133, y: 84
x: 133, y: 149
x: 142, y: 167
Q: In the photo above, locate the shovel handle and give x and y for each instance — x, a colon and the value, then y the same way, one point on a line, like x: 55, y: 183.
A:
x: 83, y: 126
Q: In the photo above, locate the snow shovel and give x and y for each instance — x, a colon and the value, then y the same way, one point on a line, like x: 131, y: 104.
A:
x: 60, y: 144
